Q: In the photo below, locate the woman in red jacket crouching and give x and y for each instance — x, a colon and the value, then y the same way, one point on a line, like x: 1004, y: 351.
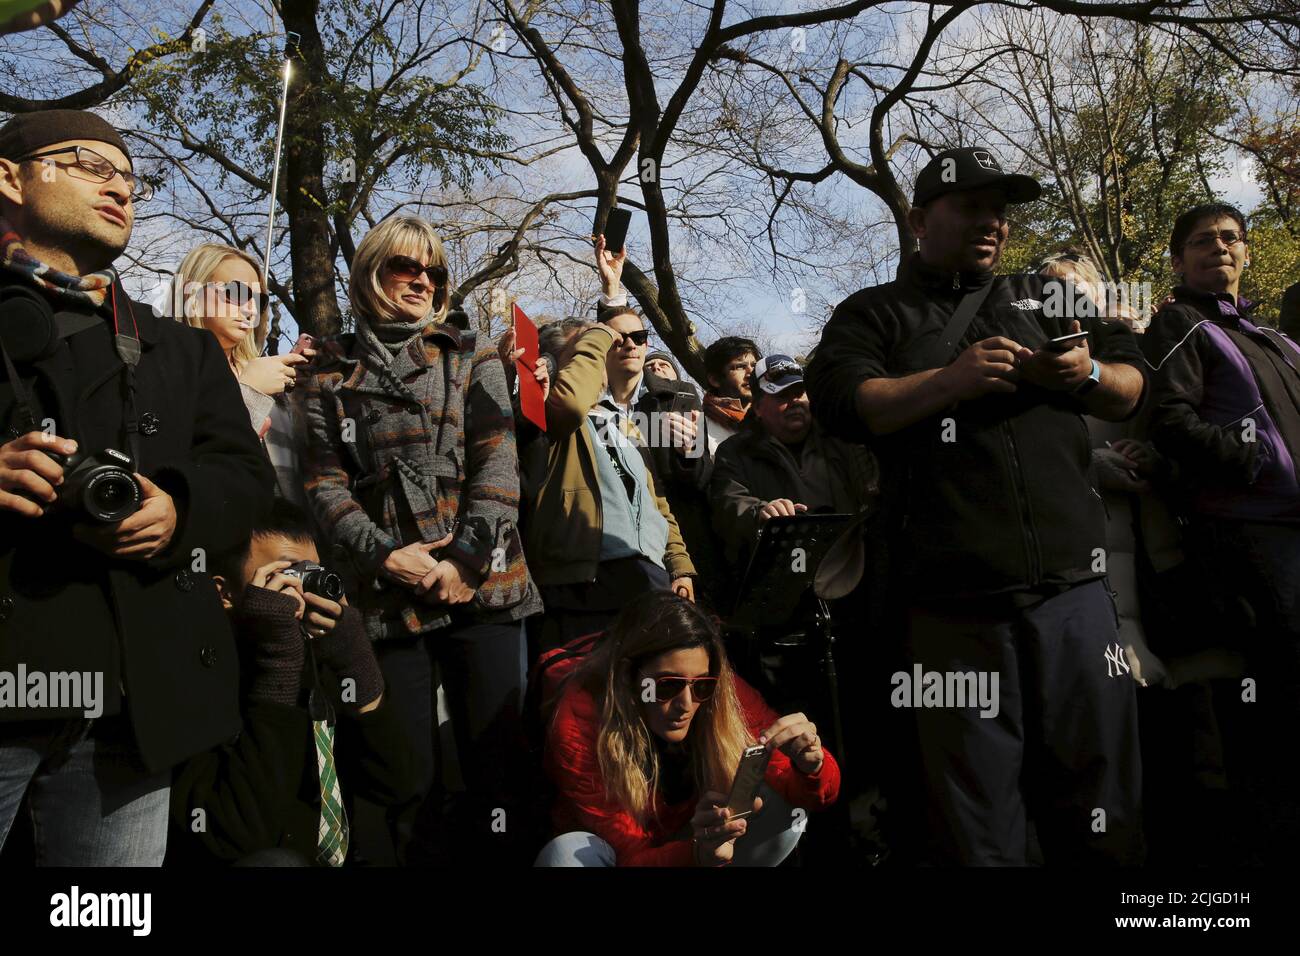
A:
x: 645, y: 741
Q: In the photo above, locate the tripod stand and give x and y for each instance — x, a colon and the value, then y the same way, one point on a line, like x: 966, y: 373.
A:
x: 776, y: 605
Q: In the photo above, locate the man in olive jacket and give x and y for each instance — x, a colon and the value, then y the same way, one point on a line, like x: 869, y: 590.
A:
x: 121, y: 609
x: 587, y: 565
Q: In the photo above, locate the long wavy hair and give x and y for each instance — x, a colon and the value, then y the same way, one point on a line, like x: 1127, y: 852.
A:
x: 190, y: 283
x: 399, y: 235
x: 658, y: 623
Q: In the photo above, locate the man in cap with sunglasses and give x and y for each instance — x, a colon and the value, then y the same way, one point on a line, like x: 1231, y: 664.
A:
x: 82, y: 589
x: 997, y: 541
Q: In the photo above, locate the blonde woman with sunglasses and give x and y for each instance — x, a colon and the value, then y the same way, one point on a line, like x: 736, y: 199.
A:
x: 219, y: 288
x: 644, y: 743
x: 410, y: 464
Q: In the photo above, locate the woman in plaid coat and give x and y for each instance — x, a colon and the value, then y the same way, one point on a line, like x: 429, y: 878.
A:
x: 409, y: 463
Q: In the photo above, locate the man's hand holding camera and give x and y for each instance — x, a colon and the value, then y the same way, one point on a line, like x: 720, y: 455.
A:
x: 141, y: 536
x: 29, y: 476
x: 29, y: 481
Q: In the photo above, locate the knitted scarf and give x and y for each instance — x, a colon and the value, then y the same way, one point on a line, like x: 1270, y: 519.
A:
x: 88, y: 290
x: 386, y: 340
x: 724, y: 411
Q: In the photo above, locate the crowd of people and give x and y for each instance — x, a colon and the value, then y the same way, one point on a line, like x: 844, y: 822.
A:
x: 354, y: 604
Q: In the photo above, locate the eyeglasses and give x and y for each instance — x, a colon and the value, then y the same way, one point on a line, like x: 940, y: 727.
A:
x: 638, y: 338
x: 237, y: 293
x: 702, y: 688
x: 406, y: 269
x: 101, y: 169
x: 1208, y: 240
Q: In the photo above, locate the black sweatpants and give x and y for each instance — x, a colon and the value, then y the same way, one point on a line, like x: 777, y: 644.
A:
x: 1062, y: 748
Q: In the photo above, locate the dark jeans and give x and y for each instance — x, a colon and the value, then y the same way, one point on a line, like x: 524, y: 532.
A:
x: 1062, y: 746
x: 92, y: 802
x: 1261, y: 563
x: 483, y: 673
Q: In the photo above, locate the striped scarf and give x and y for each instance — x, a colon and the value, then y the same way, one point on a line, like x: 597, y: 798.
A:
x: 88, y: 290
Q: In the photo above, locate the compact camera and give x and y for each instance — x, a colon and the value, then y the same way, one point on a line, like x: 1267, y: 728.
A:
x: 317, y: 579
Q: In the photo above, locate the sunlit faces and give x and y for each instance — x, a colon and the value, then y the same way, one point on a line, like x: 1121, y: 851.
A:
x: 412, y: 292
x: 671, y: 719
x: 626, y: 359
x: 787, y: 415
x: 735, y: 377
x: 65, y: 207
x: 1213, y: 256
x: 962, y: 231
x: 231, y: 302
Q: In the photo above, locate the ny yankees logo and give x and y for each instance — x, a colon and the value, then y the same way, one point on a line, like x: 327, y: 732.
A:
x: 1115, y: 660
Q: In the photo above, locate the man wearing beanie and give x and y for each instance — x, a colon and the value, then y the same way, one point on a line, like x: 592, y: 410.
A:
x: 997, y: 537
x: 126, y: 466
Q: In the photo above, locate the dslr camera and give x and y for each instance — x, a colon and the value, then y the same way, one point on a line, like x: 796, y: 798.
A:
x: 98, y: 486
x: 317, y: 579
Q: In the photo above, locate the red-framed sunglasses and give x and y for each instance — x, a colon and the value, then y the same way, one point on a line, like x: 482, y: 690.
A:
x: 702, y: 688
x: 406, y: 269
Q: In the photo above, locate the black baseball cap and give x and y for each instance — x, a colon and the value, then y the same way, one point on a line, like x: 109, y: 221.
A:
x: 971, y: 167
x: 776, y: 373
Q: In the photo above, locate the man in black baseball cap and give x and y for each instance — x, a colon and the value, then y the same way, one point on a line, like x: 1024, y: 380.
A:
x: 998, y: 539
x: 127, y: 463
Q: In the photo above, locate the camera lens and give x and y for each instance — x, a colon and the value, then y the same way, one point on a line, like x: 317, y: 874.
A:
x: 111, y: 495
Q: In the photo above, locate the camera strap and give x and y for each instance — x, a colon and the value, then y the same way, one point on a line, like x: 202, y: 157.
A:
x: 128, y: 350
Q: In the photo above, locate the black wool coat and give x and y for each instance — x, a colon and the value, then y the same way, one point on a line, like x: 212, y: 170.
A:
x: 155, y: 628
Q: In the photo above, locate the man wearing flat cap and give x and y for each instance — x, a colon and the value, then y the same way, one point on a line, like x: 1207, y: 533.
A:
x: 126, y: 465
x: 996, y: 535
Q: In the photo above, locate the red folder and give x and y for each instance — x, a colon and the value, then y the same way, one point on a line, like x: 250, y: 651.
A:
x: 530, y: 393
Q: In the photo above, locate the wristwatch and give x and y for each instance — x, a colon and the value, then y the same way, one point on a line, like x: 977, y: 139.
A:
x: 1091, y: 382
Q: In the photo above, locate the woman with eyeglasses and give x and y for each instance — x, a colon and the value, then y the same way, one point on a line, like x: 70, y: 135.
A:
x: 410, y: 465
x: 1225, y: 397
x: 644, y: 743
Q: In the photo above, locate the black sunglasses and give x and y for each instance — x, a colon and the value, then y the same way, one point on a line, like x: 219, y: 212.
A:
x: 638, y: 338
x: 406, y: 269
x: 237, y: 293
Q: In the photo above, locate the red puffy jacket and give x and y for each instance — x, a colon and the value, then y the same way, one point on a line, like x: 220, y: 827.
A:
x: 582, y: 803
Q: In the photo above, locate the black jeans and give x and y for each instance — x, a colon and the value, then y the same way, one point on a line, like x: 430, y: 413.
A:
x: 483, y: 674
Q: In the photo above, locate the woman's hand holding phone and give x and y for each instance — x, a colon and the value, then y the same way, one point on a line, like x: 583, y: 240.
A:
x: 715, y: 832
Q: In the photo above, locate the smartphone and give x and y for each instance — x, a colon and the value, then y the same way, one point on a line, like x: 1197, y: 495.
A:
x: 304, y: 342
x: 616, y: 229
x: 1064, y: 343
x: 749, y: 777
x: 684, y: 404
